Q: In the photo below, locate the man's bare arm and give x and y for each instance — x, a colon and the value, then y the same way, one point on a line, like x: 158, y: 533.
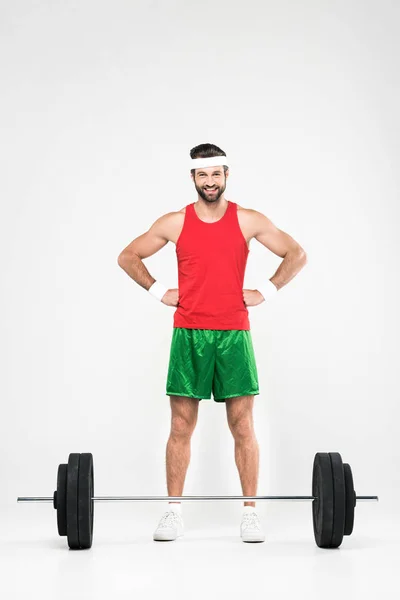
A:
x: 281, y: 244
x: 147, y: 244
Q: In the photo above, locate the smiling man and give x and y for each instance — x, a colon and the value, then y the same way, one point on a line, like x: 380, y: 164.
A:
x: 211, y: 348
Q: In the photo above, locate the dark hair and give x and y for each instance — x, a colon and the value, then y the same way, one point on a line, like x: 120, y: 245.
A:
x: 206, y: 151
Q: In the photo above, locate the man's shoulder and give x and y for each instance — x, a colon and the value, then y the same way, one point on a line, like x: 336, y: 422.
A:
x: 247, y: 211
x: 170, y: 224
x: 249, y: 215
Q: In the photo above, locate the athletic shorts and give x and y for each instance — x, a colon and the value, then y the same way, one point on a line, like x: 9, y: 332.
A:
x: 211, y: 360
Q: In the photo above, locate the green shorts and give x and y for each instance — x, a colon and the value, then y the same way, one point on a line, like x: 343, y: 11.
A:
x: 205, y: 360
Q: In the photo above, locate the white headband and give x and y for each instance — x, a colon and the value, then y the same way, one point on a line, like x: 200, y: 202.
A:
x: 214, y: 161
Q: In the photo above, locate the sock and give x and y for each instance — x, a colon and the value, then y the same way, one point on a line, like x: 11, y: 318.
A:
x: 249, y: 509
x: 175, y: 507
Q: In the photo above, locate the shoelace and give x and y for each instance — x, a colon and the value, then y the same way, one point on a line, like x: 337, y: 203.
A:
x: 250, y: 520
x: 168, y: 519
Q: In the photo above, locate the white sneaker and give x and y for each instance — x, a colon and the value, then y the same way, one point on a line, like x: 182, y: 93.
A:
x: 250, y: 528
x: 170, y: 527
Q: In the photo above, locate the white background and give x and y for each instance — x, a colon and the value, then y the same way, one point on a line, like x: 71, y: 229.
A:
x: 100, y: 104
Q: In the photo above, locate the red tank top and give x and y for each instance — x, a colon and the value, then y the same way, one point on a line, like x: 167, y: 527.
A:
x: 212, y: 260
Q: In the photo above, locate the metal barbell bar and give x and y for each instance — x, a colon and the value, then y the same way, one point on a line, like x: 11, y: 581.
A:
x: 201, y: 498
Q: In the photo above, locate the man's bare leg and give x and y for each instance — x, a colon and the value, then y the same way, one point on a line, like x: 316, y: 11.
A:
x: 240, y: 420
x: 184, y: 411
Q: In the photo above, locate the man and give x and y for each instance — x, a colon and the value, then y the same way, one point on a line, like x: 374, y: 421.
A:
x: 211, y: 348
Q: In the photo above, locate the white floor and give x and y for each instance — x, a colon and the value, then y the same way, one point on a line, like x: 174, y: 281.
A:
x: 209, y: 561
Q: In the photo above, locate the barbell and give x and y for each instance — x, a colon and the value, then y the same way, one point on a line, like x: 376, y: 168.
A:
x: 333, y: 499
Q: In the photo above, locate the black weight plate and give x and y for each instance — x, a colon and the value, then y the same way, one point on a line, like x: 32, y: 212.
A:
x: 61, y: 500
x: 85, y: 502
x: 350, y: 500
x: 339, y: 499
x: 72, y: 501
x: 322, y: 507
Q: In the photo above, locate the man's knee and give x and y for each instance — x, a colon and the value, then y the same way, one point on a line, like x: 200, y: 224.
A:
x: 184, y: 416
x: 242, y: 428
x: 240, y: 416
x: 182, y: 426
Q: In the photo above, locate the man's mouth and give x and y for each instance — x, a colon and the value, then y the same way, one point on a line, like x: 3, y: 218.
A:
x: 211, y: 190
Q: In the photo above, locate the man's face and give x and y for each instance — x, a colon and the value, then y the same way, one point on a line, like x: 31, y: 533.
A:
x: 207, y: 179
